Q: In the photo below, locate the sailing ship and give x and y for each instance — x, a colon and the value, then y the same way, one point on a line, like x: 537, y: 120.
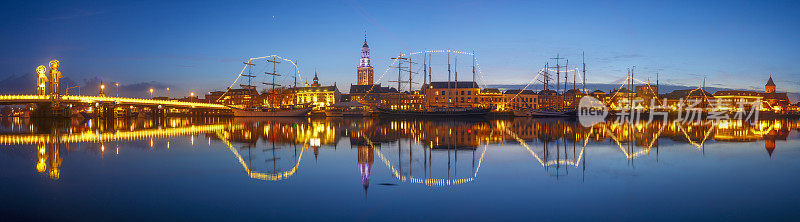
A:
x: 347, y: 109
x: 271, y: 110
x: 451, y: 110
x: 558, y: 110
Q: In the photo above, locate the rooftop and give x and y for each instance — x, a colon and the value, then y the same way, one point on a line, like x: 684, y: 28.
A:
x: 445, y: 85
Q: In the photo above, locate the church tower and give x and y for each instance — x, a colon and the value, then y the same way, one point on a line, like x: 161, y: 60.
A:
x: 364, y: 69
x: 770, y: 86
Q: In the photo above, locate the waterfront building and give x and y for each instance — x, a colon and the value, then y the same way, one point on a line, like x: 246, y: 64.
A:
x: 620, y: 98
x: 314, y: 94
x: 235, y: 97
x: 491, y: 97
x: 731, y: 99
x: 771, y: 100
x: 774, y: 101
x: 519, y: 99
x: 698, y: 98
x: 598, y: 94
x: 572, y: 97
x: 370, y: 95
x: 451, y: 94
x: 646, y: 92
x: 403, y: 100
x: 548, y: 99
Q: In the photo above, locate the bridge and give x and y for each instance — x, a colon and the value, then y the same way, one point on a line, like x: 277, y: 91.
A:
x: 119, y: 101
x: 109, y: 104
x: 49, y: 102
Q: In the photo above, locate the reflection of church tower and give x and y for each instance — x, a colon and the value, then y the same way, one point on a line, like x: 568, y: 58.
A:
x: 769, y: 144
x: 364, y: 69
x: 365, y: 160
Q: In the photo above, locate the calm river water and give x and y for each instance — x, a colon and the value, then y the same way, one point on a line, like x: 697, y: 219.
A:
x: 398, y: 169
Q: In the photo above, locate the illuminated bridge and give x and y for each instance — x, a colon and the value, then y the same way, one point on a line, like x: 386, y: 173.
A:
x: 91, y: 136
x: 120, y: 101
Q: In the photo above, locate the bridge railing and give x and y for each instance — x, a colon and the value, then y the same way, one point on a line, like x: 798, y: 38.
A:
x: 118, y: 100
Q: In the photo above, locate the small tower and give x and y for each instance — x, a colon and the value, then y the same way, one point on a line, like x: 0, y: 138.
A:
x: 770, y: 86
x: 102, y: 88
x: 316, y: 80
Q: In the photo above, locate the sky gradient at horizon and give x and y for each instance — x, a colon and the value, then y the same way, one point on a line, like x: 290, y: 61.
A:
x: 200, y: 46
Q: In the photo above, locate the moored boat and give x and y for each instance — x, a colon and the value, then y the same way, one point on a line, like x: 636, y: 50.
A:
x: 543, y: 113
x: 449, y: 111
x: 347, y: 109
x: 268, y: 112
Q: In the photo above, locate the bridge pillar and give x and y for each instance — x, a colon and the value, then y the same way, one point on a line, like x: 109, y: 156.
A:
x: 47, y: 110
x: 107, y: 111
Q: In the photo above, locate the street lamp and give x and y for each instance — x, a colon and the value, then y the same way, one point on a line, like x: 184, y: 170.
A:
x: 117, y: 84
x: 167, y: 92
x: 151, y: 93
x: 102, y: 89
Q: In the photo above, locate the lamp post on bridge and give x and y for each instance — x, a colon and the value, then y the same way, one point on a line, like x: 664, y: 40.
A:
x: 151, y: 93
x: 117, y: 85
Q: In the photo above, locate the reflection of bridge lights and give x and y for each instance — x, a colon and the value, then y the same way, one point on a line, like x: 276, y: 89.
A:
x: 102, y: 148
x: 151, y: 143
x: 41, y: 166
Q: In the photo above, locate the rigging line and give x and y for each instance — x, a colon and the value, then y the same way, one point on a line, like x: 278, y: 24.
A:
x: 477, y: 64
x: 526, y: 87
x: 384, y: 73
x: 620, y: 88
x: 297, y: 71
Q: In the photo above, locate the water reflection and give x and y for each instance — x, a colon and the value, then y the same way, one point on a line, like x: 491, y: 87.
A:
x: 433, y: 152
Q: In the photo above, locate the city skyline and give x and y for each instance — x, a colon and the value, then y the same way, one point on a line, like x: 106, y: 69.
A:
x: 171, y: 44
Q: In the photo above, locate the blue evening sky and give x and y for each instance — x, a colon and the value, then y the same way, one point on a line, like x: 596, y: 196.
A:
x: 200, y: 46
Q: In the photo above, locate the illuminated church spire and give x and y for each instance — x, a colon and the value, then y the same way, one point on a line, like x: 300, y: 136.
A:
x: 365, y: 54
x: 364, y: 70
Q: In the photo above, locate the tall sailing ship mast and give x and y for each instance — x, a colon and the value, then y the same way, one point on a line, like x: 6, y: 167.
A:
x: 271, y: 101
x: 449, y: 109
x: 272, y: 108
